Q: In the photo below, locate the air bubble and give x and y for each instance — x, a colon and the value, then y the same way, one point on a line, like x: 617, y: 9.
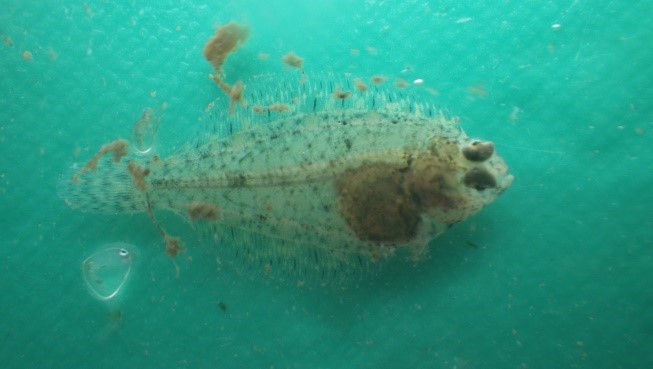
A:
x: 107, y: 271
x: 144, y: 130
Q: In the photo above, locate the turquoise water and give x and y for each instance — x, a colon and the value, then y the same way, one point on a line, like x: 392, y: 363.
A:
x: 561, y: 269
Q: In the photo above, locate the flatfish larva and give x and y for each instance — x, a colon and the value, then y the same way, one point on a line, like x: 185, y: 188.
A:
x: 317, y: 177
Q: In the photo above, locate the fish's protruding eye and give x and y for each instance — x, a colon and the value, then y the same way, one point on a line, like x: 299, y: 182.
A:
x: 479, y: 179
x: 478, y: 151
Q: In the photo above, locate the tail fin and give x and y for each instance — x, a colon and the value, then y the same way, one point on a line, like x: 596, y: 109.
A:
x: 109, y: 189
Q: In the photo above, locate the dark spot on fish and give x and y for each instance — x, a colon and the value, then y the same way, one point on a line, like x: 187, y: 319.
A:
x: 236, y: 180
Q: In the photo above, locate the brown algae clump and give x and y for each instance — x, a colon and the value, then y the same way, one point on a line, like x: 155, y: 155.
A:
x: 235, y: 92
x: 293, y: 60
x: 118, y: 148
x: 226, y: 40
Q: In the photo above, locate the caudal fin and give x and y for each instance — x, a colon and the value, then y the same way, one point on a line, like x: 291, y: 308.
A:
x: 109, y: 189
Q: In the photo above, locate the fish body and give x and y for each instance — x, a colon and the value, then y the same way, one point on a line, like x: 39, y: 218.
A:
x: 331, y: 183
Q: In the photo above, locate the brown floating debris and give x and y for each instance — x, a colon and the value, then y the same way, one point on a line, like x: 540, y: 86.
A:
x: 263, y: 56
x: 202, y: 210
x: 378, y: 79
x: 27, y: 55
x: 259, y: 109
x: 339, y: 94
x: 226, y: 39
x: 401, y: 83
x: 360, y: 85
x: 279, y: 107
x: 274, y: 107
x: 138, y: 174
x: 117, y: 147
x: 7, y: 40
x: 235, y: 92
x: 477, y: 90
x: 174, y: 246
x: 293, y: 60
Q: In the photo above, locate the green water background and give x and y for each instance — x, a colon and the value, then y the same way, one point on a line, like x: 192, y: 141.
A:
x: 562, y: 274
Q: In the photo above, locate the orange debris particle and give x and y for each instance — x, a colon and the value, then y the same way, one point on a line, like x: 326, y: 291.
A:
x: 293, y: 60
x: 378, y: 79
x: 138, y: 175
x: 279, y: 107
x: 274, y: 107
x: 477, y: 90
x: 360, y: 85
x: 340, y: 95
x: 7, y: 40
x: 401, y: 83
x: 235, y: 92
x: 174, y: 246
x: 27, y: 55
x: 226, y: 39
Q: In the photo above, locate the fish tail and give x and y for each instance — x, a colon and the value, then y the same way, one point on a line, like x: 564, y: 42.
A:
x: 108, y: 189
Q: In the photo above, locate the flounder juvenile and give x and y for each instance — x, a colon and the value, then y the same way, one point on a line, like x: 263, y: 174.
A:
x: 316, y: 177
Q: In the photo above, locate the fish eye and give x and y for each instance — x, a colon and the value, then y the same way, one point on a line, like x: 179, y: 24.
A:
x: 478, y: 151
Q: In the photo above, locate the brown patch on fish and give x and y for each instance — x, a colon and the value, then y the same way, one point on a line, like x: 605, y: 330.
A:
x: 384, y: 203
x: 376, y: 207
